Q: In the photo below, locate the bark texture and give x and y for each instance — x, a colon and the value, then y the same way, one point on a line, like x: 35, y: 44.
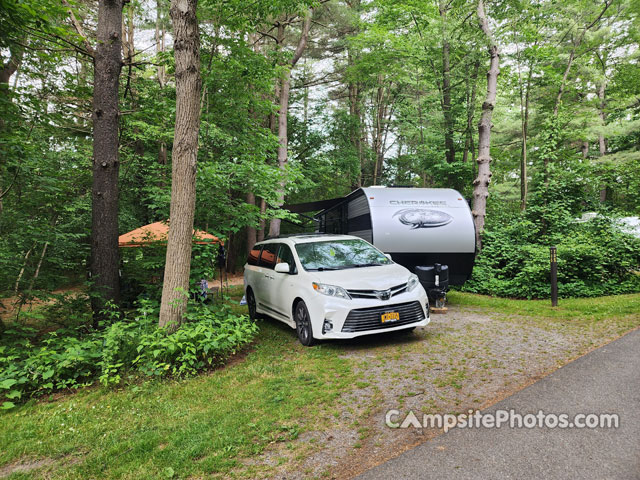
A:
x: 471, y: 110
x: 185, y: 153
x: 285, y: 86
x: 524, y: 113
x: 252, y: 233
x: 105, y: 256
x: 447, y: 113
x: 481, y: 183
x: 11, y: 66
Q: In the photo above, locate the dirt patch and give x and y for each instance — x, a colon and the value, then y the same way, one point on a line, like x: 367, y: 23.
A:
x: 467, y: 359
x: 234, y: 279
x: 10, y: 305
x: 26, y: 466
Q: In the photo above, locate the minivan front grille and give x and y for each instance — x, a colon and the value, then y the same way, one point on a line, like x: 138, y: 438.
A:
x: 398, y: 289
x: 361, y: 319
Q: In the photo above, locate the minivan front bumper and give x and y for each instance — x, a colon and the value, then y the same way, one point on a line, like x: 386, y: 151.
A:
x: 357, y: 317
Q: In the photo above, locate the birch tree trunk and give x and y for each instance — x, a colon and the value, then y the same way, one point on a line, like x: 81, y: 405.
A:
x: 24, y: 265
x: 37, y: 272
x: 185, y: 153
x: 105, y: 256
x: 481, y: 183
x: 274, y: 226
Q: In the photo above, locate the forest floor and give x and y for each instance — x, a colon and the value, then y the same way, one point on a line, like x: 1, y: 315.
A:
x: 280, y: 410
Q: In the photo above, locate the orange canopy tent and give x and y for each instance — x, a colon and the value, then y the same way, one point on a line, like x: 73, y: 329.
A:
x: 159, y: 232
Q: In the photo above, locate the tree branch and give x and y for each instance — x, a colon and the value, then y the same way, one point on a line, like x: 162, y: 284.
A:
x: 304, y: 36
x: 78, y: 27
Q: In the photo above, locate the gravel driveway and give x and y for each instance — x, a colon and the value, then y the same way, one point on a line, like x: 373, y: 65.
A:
x: 468, y: 358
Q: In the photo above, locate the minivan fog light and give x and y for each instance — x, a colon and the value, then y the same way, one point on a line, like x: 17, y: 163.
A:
x: 327, y: 326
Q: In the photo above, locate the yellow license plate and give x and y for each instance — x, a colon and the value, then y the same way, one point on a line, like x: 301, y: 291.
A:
x: 390, y: 317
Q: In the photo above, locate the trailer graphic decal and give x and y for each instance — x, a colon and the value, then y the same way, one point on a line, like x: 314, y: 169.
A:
x: 422, y: 218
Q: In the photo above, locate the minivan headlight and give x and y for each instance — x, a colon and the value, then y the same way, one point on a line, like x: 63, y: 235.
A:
x: 412, y: 282
x: 331, y: 290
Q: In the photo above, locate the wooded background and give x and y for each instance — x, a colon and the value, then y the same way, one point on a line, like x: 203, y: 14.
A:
x: 307, y: 100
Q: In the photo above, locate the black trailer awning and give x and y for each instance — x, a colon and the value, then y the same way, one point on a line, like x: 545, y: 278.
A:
x: 313, y: 206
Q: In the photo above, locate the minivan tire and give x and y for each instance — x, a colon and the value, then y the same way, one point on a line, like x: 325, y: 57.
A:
x: 303, y: 324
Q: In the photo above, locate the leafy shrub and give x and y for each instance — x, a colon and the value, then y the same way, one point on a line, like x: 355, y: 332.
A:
x: 593, y: 259
x: 73, y: 358
x: 143, y: 269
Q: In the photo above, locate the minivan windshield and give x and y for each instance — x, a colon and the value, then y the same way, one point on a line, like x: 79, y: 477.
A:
x: 339, y: 254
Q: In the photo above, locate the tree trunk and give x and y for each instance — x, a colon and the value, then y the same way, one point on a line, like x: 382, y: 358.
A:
x: 378, y: 132
x: 252, y: 237
x: 263, y: 223
x: 24, y: 265
x: 161, y: 77
x: 524, y: 113
x: 159, y: 37
x: 602, y: 141
x: 471, y: 109
x: 283, y: 142
x: 556, y: 108
x: 355, y: 124
x: 449, y: 145
x: 104, y: 209
x: 481, y: 183
x: 356, y: 129
x: 37, y: 272
x: 185, y: 154
x: 12, y: 64
x: 274, y: 226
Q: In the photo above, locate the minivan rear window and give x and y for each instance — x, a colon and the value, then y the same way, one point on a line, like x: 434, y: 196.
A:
x: 269, y: 255
x: 254, y: 254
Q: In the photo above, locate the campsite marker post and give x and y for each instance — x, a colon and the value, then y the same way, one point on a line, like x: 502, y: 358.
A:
x: 554, y: 277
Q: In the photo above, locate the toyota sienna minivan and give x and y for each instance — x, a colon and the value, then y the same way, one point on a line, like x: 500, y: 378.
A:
x: 332, y: 286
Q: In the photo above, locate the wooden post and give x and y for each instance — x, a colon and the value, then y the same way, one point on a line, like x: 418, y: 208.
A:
x: 554, y: 277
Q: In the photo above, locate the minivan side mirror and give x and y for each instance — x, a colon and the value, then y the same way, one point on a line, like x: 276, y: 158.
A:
x: 282, y: 268
x: 388, y: 255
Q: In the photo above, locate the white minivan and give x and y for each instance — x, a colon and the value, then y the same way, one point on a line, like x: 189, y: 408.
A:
x: 332, y: 286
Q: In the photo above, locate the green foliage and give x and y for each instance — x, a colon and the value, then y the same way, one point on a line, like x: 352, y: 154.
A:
x: 143, y: 269
x: 594, y: 259
x: 71, y: 358
x: 196, y: 345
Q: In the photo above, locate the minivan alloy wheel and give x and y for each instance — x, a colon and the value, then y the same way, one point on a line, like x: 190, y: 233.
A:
x: 303, y: 324
x: 251, y: 305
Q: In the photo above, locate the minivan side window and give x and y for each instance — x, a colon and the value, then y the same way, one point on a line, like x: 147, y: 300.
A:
x: 254, y: 254
x: 269, y: 255
x: 285, y: 256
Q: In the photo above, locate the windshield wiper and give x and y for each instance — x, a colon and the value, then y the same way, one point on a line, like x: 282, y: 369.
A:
x: 322, y: 269
x: 358, y: 265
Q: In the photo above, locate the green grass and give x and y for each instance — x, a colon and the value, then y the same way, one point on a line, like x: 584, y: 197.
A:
x: 204, y: 426
x: 568, y: 308
x: 192, y: 427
